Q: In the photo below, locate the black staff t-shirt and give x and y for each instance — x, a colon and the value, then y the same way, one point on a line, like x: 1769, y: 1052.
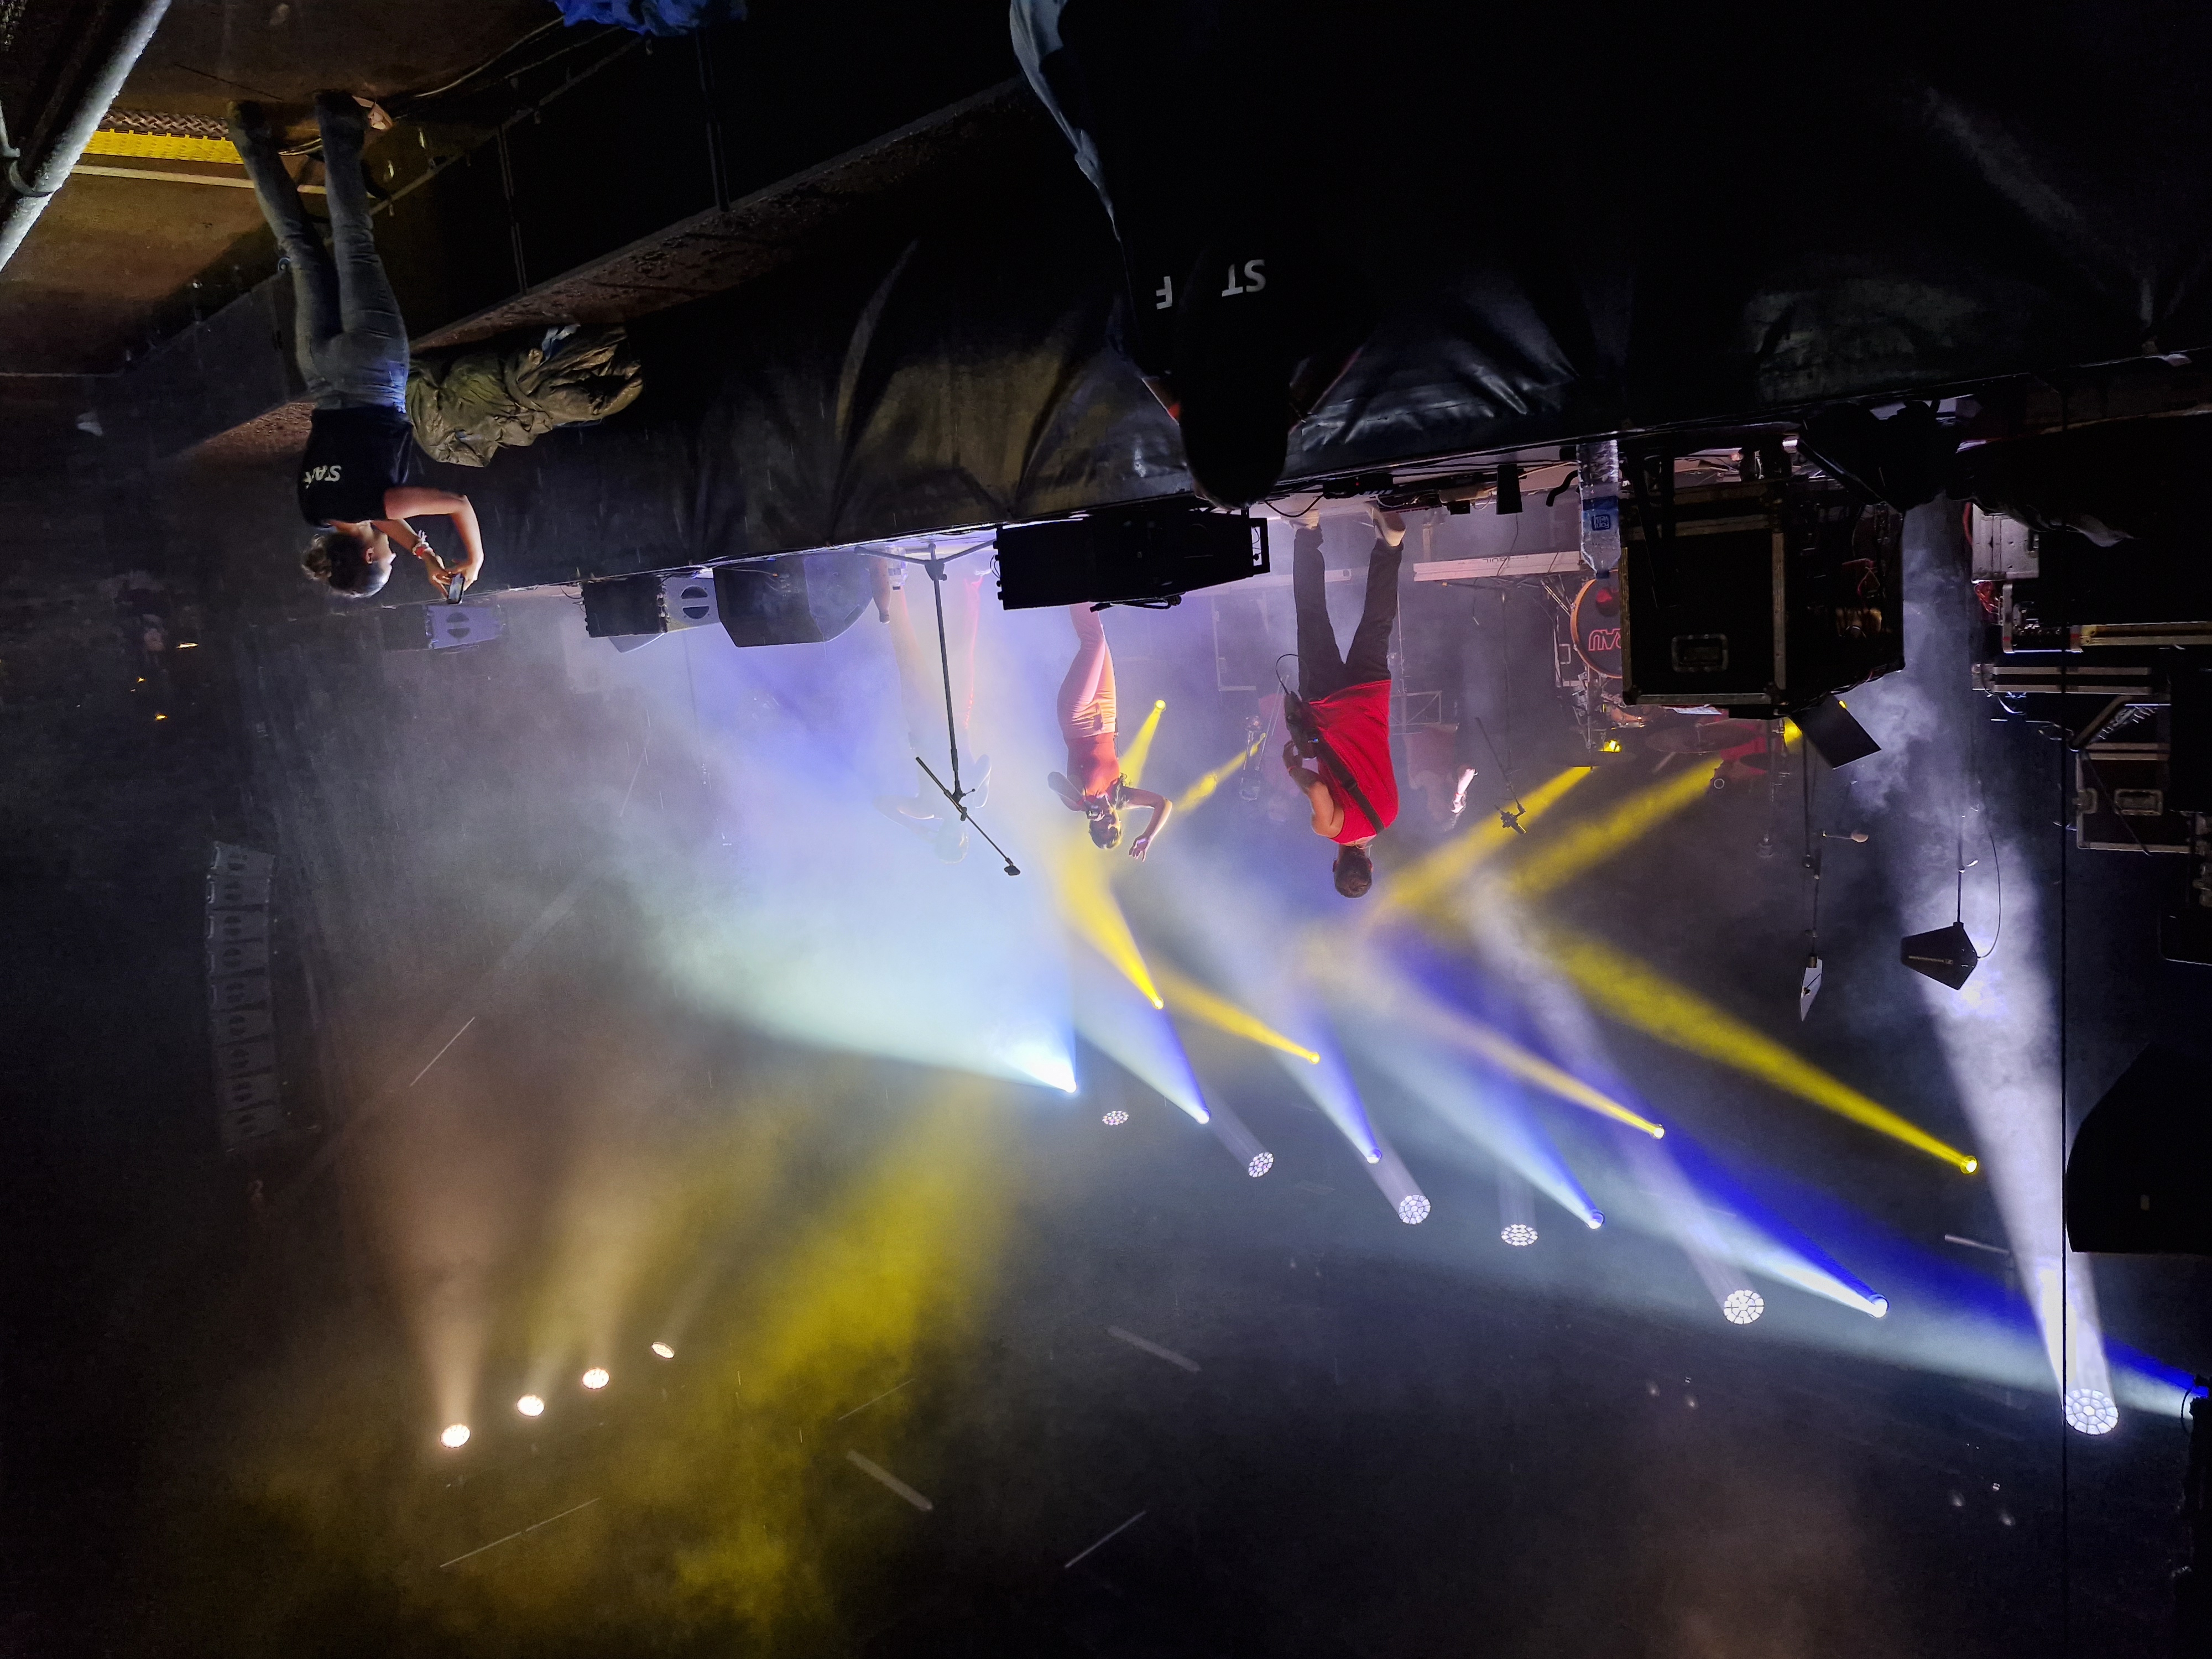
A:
x: 353, y: 455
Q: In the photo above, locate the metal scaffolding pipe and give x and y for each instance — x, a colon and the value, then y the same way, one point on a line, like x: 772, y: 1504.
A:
x: 33, y: 178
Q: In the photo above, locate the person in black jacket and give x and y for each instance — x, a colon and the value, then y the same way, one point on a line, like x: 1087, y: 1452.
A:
x: 1238, y: 310
x: 356, y: 479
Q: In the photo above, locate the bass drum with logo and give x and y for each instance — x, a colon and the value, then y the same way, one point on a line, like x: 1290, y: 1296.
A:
x: 1596, y: 620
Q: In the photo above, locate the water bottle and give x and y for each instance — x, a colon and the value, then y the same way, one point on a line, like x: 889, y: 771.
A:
x: 1600, y: 466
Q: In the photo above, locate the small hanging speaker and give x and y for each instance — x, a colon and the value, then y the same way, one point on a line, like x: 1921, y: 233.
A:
x: 1835, y: 736
x: 1946, y: 955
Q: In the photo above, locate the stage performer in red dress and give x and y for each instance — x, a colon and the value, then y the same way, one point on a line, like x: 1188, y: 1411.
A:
x: 1340, y: 719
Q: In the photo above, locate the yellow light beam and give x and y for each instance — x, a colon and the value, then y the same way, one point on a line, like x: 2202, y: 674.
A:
x: 1091, y: 909
x: 1424, y: 884
x: 1204, y: 789
x: 1623, y: 989
x: 1509, y: 1056
x: 1140, y: 747
x: 1222, y: 1015
x: 1393, y: 995
x: 1560, y: 861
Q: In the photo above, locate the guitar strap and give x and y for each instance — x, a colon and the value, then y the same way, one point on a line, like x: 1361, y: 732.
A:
x: 1337, y: 773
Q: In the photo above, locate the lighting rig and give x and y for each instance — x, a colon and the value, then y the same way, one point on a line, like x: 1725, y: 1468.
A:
x: 2108, y: 650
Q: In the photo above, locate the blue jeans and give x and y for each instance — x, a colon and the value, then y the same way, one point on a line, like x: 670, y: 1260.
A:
x: 350, y: 339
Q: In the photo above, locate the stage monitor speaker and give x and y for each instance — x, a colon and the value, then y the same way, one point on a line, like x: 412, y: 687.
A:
x: 795, y: 599
x: 2139, y: 1181
x: 1760, y: 597
x: 619, y: 607
x: 2189, y: 760
x: 1945, y: 955
x: 2185, y: 935
x: 1148, y: 554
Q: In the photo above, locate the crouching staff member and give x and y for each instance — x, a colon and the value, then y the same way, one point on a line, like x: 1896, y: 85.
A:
x: 354, y: 479
x: 1093, y: 784
x: 1341, y: 718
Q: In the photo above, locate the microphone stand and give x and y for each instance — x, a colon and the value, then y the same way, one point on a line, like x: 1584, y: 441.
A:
x: 957, y: 795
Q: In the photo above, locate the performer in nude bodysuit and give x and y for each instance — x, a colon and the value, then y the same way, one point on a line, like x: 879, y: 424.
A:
x: 1093, y: 784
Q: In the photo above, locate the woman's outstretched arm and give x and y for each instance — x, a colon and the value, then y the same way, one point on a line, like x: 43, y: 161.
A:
x: 1161, y: 807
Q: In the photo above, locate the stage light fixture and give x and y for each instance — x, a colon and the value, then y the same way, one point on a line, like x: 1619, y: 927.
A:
x: 455, y: 1436
x: 1595, y: 1219
x: 1260, y: 1163
x: 1411, y: 1211
x: 530, y: 1406
x: 596, y: 1377
x: 2090, y: 1411
x: 1115, y: 1119
x: 1050, y: 1067
x: 1742, y: 1307
x: 664, y: 1351
x: 1520, y: 1235
x: 1372, y: 1157
x: 1878, y: 1306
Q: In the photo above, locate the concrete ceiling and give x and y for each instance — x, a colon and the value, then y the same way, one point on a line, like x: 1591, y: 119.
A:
x: 112, y: 263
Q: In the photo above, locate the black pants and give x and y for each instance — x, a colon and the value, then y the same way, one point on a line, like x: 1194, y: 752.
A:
x: 1321, y: 671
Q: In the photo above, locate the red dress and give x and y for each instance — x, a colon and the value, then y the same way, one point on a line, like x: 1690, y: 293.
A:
x: 1355, y: 724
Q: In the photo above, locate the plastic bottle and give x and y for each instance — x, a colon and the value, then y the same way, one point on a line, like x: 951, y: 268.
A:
x: 1600, y: 466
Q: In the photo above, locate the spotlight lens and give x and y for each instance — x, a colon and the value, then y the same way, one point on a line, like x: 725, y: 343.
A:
x: 664, y: 1351
x: 1374, y: 1157
x: 1742, y: 1307
x: 2091, y: 1411
x: 1414, y: 1211
x: 1115, y: 1119
x: 1971, y: 1165
x: 1878, y: 1306
x: 1260, y: 1163
x: 530, y: 1406
x: 596, y: 1377
x: 1595, y: 1219
x: 455, y: 1436
x: 1658, y: 1131
x: 1520, y: 1235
